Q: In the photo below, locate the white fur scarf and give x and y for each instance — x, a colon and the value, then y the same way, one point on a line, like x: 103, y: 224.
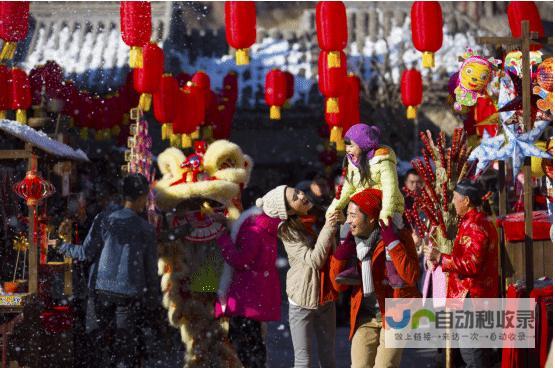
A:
x: 227, y: 273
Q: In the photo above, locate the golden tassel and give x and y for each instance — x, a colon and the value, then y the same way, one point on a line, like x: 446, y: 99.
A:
x: 116, y: 130
x: 136, y: 57
x: 165, y: 132
x: 428, y: 60
x: 334, y: 59
x: 106, y: 134
x: 207, y: 133
x: 98, y: 135
x: 275, y: 112
x: 411, y: 112
x: 21, y: 116
x: 84, y: 133
x: 340, y: 146
x: 336, y: 134
x: 8, y: 51
x: 195, y: 134
x: 175, y: 140
x: 2, y: 114
x: 186, y: 141
x: 145, y: 101
x: 332, y: 105
x: 242, y: 56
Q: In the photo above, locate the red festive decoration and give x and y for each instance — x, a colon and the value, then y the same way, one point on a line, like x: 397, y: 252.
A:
x: 182, y: 79
x: 275, y: 92
x: 290, y: 91
x: 136, y: 28
x: 482, y: 116
x: 331, y: 29
x: 189, y: 114
x: 20, y: 94
x: 411, y: 91
x: 331, y: 81
x: 165, y: 103
x: 4, y: 91
x: 240, y: 28
x: 147, y: 79
x: 427, y: 29
x: 352, y: 96
x: 33, y: 188
x: 201, y: 80
x: 517, y: 11
x: 230, y: 89
x: 14, y: 24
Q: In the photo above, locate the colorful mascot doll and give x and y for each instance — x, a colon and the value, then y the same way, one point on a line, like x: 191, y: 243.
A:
x: 192, y: 192
x: 544, y: 87
x: 474, y: 76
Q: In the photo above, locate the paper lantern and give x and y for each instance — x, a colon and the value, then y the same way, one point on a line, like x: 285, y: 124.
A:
x: 33, y: 188
x: 147, y: 79
x: 411, y: 91
x: 427, y: 29
x: 240, y: 28
x: 331, y: 81
x: 290, y: 91
x: 136, y: 28
x: 352, y: 96
x: 165, y: 103
x: 20, y: 94
x: 230, y: 88
x: 517, y: 11
x: 189, y: 114
x: 275, y: 92
x: 331, y: 29
x: 4, y: 91
x: 14, y: 24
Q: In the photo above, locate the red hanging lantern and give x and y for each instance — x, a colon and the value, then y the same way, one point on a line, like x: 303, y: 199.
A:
x: 36, y: 81
x: 240, y: 28
x: 182, y: 79
x: 352, y: 96
x: 14, y: 24
x: 20, y: 94
x: 136, y: 28
x: 517, y: 11
x: 411, y: 91
x: 275, y: 92
x: 201, y: 80
x: 33, y: 188
x: 335, y: 124
x: 189, y: 115
x: 147, y: 79
x: 165, y: 103
x: 331, y: 29
x: 427, y: 29
x: 4, y: 91
x: 331, y: 81
x: 290, y: 90
x: 230, y: 88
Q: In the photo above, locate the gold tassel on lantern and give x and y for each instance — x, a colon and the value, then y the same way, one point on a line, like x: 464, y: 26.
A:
x: 242, y: 56
x: 21, y: 116
x: 116, y: 130
x: 84, y: 133
x: 332, y: 105
x: 145, y: 101
x: 336, y: 136
x: 411, y: 112
x: 2, y: 114
x: 8, y: 51
x: 275, y: 112
x: 195, y: 134
x: 175, y: 140
x: 428, y: 59
x: 186, y: 141
x: 334, y: 59
x: 167, y: 131
x: 207, y: 133
x: 136, y: 57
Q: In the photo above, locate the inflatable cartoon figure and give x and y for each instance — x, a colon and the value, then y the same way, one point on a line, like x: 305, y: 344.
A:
x: 192, y: 191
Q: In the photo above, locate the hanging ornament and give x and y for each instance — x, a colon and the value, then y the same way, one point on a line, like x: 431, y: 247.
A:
x: 136, y: 28
x: 33, y: 188
x: 331, y: 81
x: 427, y: 29
x: 517, y: 11
x: 411, y: 91
x: 165, y: 103
x: 240, y: 28
x: 14, y: 25
x: 4, y: 91
x: 20, y: 94
x: 188, y: 117
x: 290, y: 90
x: 230, y: 88
x: 275, y: 92
x: 147, y: 79
x: 352, y: 96
x: 331, y: 29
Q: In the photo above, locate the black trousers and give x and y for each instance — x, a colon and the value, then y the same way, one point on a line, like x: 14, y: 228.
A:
x: 119, y: 336
x: 246, y: 336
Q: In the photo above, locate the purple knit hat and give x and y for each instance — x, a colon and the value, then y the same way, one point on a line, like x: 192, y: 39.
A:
x: 367, y: 137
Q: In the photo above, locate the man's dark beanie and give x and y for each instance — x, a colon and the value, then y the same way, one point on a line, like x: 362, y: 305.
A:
x: 134, y: 186
x: 470, y: 189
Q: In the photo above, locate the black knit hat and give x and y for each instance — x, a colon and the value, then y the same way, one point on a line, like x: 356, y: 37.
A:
x: 470, y: 189
x: 134, y: 186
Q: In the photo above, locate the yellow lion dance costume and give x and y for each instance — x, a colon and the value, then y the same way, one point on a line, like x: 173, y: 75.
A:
x: 191, y: 267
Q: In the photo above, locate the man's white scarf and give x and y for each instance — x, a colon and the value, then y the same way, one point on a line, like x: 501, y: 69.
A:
x: 364, y: 255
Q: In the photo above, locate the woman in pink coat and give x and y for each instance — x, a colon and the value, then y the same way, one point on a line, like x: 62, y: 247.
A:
x: 250, y: 291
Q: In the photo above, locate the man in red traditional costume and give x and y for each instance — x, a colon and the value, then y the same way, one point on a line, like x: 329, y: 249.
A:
x: 472, y: 265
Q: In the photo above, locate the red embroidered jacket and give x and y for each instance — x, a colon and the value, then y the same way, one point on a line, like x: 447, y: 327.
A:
x: 472, y: 265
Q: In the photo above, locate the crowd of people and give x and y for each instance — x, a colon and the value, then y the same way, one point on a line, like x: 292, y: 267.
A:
x: 351, y: 237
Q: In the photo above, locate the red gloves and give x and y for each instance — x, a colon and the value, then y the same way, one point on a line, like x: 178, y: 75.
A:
x: 388, y: 232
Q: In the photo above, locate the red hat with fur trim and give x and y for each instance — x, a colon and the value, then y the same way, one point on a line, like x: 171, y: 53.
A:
x: 369, y: 201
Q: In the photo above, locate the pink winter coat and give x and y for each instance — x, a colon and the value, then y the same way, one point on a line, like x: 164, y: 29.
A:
x: 255, y: 291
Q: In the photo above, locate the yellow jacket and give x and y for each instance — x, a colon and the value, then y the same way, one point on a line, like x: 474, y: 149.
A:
x: 383, y: 176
